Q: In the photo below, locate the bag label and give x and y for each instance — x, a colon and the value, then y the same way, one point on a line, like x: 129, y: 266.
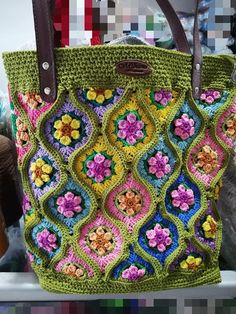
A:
x: 133, y: 67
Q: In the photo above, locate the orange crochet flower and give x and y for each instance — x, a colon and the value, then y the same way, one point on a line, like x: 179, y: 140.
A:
x: 206, y: 159
x: 230, y: 126
x: 73, y: 271
x: 33, y: 100
x: 130, y: 202
x: 22, y: 136
x: 101, y: 241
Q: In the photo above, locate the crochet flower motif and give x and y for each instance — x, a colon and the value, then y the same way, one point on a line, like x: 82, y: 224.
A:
x: 230, y: 126
x: 162, y: 98
x: 67, y: 129
x: 206, y: 159
x: 47, y: 240
x: 191, y: 263
x: 26, y: 206
x: 184, y: 127
x: 158, y: 165
x: 41, y: 172
x: 182, y: 198
x: 101, y: 241
x: 99, y: 168
x: 133, y: 273
x: 22, y: 136
x: 33, y: 100
x: 210, y: 96
x: 159, y: 238
x: 130, y: 129
x: 99, y: 95
x: 130, y: 202
x: 210, y: 227
x: 69, y: 205
x: 73, y: 270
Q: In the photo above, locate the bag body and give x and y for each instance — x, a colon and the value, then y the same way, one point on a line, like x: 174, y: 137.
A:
x: 121, y: 173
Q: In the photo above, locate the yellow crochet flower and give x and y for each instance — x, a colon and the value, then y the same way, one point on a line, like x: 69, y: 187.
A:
x: 209, y: 227
x: 40, y: 172
x: 66, y: 129
x: 99, y: 95
x: 29, y: 218
x: 191, y: 263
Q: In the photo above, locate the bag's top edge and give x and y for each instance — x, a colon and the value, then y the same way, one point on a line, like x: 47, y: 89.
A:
x: 102, y: 47
x: 126, y: 47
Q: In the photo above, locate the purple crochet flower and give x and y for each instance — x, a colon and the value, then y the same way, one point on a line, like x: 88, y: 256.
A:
x: 130, y: 129
x: 184, y: 127
x: 26, y: 204
x: 182, y: 198
x: 47, y: 240
x: 133, y: 273
x: 69, y: 204
x: 158, y: 165
x: 159, y: 237
x: 99, y: 168
x: 210, y: 96
x: 163, y: 97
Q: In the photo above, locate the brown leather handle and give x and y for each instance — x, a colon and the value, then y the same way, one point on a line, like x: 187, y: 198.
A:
x: 45, y: 45
x: 44, y: 33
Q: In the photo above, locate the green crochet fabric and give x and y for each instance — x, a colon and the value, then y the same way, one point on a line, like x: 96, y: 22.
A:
x: 122, y: 174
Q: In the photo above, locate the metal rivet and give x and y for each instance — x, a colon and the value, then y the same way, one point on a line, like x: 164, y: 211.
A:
x: 196, y: 90
x: 45, y: 65
x: 198, y: 66
x: 47, y: 90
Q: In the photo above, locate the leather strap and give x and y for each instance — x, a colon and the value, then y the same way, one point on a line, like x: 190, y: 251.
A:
x: 197, y: 57
x: 176, y: 27
x: 44, y: 32
x: 45, y: 44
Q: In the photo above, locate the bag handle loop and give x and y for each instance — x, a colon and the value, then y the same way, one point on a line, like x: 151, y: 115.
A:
x: 44, y: 32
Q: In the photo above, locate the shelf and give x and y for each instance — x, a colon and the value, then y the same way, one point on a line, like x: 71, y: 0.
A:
x: 25, y: 287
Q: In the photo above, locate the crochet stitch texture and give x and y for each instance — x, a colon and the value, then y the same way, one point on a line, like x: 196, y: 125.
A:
x: 121, y: 174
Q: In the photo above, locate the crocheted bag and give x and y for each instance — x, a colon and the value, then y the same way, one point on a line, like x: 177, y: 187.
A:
x: 120, y: 163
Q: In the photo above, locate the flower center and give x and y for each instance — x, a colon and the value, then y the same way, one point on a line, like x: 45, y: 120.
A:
x: 101, y: 241
x: 66, y: 130
x: 38, y: 172
x: 132, y: 128
x: 186, y: 126
x: 69, y: 205
x: 192, y: 265
x: 130, y: 202
x: 213, y: 226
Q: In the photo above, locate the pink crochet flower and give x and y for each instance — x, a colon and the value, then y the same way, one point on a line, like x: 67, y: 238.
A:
x: 133, y: 273
x: 47, y: 240
x: 182, y: 198
x: 130, y: 129
x: 158, y: 165
x: 69, y: 204
x: 159, y: 237
x: 184, y: 127
x: 163, y: 97
x: 210, y: 96
x: 99, y: 168
x: 30, y: 257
